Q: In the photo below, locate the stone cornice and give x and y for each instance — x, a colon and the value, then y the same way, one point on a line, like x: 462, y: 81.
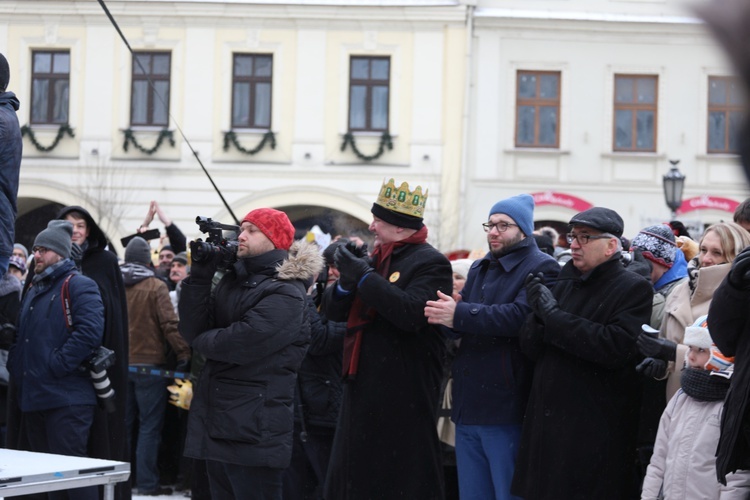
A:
x: 334, y: 15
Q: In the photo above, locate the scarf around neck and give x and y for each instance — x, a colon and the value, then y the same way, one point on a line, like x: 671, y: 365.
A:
x: 360, y: 314
x: 700, y: 385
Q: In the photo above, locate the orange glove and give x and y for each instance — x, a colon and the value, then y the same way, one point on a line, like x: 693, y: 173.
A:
x: 181, y: 394
x: 689, y: 247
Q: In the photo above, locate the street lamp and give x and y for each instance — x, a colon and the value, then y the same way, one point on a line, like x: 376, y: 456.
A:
x: 674, y: 182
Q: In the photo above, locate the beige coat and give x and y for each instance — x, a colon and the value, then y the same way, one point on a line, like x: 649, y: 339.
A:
x: 682, y: 309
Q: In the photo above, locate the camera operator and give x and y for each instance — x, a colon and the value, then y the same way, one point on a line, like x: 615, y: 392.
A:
x: 253, y: 331
x: 55, y: 395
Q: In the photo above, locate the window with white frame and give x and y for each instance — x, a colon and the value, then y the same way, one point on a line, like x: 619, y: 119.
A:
x: 50, y: 86
x: 726, y: 114
x: 251, y: 90
x: 635, y: 113
x: 150, y: 89
x: 538, y: 109
x: 369, y: 93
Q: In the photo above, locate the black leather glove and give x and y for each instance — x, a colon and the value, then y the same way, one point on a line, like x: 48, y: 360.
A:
x: 8, y: 334
x: 202, y: 265
x: 358, y: 251
x: 650, y: 345
x: 182, y: 365
x: 539, y: 297
x: 652, y: 367
x: 351, y: 268
x: 739, y: 276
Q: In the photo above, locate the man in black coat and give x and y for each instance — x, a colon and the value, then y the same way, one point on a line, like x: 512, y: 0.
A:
x: 386, y: 443
x: 253, y: 331
x: 579, y: 432
x: 108, y: 433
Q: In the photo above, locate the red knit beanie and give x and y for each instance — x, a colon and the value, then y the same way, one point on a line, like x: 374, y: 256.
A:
x: 274, y: 224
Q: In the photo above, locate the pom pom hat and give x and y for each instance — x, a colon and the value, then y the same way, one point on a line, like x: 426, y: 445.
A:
x: 657, y: 244
x: 274, y: 224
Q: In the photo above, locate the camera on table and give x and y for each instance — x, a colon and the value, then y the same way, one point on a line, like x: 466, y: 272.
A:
x: 217, y: 247
x: 101, y: 359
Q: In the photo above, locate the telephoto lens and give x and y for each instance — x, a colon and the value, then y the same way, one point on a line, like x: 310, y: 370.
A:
x: 105, y: 395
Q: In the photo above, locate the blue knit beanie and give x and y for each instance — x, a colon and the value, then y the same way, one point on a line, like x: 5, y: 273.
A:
x: 520, y: 208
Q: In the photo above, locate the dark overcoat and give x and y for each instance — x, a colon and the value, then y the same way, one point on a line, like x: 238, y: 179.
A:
x: 11, y: 147
x: 253, y: 332
x: 386, y: 444
x: 109, y: 430
x: 491, y: 377
x: 729, y: 325
x: 45, y: 360
x: 578, y: 438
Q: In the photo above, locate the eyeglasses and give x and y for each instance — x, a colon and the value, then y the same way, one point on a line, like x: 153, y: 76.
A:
x: 583, y: 239
x: 39, y: 250
x: 500, y: 226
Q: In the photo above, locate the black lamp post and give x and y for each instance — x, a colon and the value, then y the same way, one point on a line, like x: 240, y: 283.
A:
x: 674, y: 183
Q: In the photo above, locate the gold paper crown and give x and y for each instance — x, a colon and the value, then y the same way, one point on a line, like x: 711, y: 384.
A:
x: 402, y: 200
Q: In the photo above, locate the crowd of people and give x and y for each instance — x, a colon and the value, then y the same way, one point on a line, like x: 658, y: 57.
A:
x: 575, y: 365
x: 310, y: 373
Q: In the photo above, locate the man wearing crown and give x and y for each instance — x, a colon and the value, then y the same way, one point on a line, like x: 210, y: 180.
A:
x: 386, y: 445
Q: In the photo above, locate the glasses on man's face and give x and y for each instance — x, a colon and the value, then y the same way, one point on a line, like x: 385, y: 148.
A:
x: 584, y: 238
x: 39, y: 250
x: 500, y: 226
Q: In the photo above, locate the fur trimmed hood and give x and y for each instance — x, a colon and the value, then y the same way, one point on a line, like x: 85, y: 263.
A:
x: 304, y: 262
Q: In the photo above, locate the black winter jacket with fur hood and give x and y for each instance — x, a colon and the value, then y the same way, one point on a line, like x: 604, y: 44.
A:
x: 253, y: 331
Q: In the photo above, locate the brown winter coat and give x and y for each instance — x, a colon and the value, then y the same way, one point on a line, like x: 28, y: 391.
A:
x: 152, y: 321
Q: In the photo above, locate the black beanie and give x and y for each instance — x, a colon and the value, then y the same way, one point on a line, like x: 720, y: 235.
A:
x: 57, y: 237
x: 138, y: 251
x: 4, y: 73
x: 396, y: 218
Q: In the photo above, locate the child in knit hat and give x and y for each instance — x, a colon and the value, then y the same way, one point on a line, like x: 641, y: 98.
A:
x: 683, y: 463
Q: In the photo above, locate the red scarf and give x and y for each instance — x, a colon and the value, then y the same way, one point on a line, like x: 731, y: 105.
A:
x: 360, y: 314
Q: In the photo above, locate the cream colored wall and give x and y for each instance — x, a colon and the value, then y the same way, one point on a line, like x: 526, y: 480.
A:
x: 588, y: 54
x: 311, y: 46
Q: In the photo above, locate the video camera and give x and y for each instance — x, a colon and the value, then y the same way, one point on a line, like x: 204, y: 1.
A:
x: 216, y: 247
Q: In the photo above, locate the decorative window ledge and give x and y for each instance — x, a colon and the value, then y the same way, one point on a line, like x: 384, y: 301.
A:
x: 634, y: 155
x: 537, y: 151
x: 386, y: 141
x: 163, y: 134
x: 61, y: 130
x: 230, y: 138
x: 718, y: 157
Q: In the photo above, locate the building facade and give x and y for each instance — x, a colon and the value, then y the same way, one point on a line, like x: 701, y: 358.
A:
x: 309, y: 106
x: 585, y: 103
x: 300, y: 106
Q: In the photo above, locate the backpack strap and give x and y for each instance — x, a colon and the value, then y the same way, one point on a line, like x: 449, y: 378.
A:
x: 65, y: 297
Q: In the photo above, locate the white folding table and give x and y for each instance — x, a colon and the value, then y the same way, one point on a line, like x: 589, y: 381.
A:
x: 25, y: 472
